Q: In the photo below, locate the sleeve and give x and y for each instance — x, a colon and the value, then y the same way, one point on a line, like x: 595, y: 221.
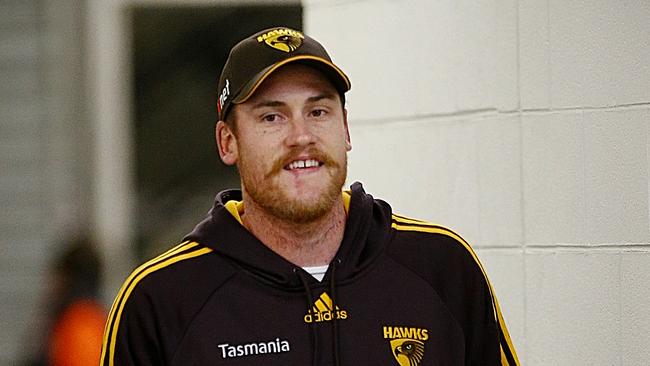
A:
x: 131, y: 336
x: 507, y: 349
x: 144, y: 320
x: 489, y: 342
x: 450, y: 264
x: 487, y: 339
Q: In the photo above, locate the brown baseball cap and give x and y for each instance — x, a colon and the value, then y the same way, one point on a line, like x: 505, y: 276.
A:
x: 254, y: 58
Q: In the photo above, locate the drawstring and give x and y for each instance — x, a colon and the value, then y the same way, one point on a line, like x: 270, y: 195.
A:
x: 314, y: 333
x: 335, y: 323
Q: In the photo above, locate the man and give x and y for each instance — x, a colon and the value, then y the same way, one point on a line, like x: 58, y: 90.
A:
x: 291, y: 270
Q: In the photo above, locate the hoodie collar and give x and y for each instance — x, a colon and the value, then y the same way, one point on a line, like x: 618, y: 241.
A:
x: 366, y: 233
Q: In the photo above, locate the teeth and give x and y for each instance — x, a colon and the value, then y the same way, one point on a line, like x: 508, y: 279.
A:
x: 299, y: 164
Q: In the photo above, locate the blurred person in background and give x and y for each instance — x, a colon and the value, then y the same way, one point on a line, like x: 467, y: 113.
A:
x: 74, y: 317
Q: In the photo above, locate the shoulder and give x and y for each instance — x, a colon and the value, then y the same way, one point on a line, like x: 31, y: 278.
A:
x: 449, y: 264
x: 432, y: 239
x: 440, y: 256
x: 162, y: 295
x: 189, y: 267
x: 166, y: 269
x: 184, y: 276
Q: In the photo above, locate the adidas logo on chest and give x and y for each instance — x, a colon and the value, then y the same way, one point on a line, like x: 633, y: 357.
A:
x: 324, y: 311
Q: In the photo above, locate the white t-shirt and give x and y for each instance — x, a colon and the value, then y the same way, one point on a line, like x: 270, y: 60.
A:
x: 317, y: 272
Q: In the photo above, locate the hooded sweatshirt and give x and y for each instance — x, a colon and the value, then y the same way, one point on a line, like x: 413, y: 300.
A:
x: 398, y: 292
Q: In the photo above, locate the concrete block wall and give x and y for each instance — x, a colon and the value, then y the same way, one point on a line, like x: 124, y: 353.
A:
x: 525, y: 126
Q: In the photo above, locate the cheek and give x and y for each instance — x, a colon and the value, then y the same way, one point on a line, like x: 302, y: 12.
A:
x: 342, y: 141
x: 256, y: 157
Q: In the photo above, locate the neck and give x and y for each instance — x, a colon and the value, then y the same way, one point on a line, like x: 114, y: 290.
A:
x: 307, y: 244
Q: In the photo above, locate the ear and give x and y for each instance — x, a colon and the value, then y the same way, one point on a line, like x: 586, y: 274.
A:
x: 348, y: 142
x: 226, y: 143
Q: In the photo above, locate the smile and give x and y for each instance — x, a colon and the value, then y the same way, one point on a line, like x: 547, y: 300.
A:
x: 303, y: 164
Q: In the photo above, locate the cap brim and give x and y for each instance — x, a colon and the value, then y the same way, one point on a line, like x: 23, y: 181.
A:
x: 336, y: 75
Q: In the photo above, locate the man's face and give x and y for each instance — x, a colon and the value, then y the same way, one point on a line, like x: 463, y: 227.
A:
x: 291, y: 144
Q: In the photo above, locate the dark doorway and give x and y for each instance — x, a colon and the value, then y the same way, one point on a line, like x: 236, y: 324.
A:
x: 178, y: 53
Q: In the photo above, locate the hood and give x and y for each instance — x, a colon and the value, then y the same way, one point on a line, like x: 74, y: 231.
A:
x: 367, y: 231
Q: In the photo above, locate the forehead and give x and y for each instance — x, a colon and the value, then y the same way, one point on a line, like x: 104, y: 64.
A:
x: 293, y: 78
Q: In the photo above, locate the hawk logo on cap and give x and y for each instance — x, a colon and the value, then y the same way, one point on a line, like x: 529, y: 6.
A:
x: 283, y: 39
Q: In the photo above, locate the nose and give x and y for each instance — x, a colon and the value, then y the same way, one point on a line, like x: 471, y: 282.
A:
x: 300, y: 133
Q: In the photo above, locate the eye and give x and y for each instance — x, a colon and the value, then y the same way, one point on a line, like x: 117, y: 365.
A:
x: 271, y: 117
x: 318, y: 113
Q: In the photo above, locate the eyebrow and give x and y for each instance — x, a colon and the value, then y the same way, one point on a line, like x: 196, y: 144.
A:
x: 321, y: 97
x: 277, y: 103
x: 268, y: 103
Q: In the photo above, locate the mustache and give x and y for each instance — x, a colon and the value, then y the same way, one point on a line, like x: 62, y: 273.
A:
x: 292, y: 155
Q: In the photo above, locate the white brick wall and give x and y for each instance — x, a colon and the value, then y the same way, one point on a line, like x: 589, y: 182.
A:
x: 526, y: 126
